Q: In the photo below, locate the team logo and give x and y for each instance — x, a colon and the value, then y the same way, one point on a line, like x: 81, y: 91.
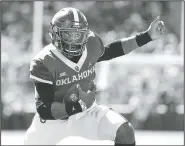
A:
x: 77, y: 68
x: 62, y: 74
x: 73, y: 109
x: 73, y: 97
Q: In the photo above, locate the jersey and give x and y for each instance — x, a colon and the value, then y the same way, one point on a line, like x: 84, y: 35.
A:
x: 51, y: 67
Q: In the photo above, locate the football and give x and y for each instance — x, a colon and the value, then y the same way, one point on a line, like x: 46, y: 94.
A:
x: 72, y: 94
x: 70, y: 100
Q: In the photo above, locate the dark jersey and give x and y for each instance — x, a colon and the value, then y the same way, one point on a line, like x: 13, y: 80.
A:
x: 51, y: 67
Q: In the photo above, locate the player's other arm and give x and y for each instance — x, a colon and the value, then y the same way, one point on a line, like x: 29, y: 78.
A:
x: 44, y: 92
x: 126, y: 45
x: 155, y: 31
x: 45, y: 105
x: 48, y: 109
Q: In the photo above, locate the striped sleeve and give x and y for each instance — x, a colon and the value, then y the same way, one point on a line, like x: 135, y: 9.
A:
x: 40, y: 73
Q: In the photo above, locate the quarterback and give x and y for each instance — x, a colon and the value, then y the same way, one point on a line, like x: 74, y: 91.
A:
x: 63, y: 74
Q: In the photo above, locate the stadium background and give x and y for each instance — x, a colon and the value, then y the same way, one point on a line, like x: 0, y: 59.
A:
x: 145, y: 86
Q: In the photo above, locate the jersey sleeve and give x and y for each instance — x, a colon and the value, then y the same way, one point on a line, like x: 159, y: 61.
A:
x: 40, y: 73
x: 112, y: 50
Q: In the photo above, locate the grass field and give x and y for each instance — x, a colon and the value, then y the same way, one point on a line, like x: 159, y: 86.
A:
x: 142, y: 138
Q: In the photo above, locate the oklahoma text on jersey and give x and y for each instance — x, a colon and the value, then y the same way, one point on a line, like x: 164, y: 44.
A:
x: 77, y: 77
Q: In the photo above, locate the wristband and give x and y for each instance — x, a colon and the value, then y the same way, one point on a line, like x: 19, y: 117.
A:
x: 143, y: 38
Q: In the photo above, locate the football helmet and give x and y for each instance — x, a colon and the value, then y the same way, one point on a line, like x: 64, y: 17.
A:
x: 69, y: 31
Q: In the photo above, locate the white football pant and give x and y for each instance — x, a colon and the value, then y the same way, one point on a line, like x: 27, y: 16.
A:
x: 96, y: 123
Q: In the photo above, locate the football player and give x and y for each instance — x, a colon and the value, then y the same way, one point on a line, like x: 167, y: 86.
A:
x: 63, y: 74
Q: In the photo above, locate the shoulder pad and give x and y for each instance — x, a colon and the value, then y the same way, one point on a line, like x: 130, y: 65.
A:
x: 38, y: 71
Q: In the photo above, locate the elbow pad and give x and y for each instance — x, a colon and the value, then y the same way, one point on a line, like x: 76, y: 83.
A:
x: 44, y: 110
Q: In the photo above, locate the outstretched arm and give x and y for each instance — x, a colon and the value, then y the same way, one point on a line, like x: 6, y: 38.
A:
x: 127, y: 45
x: 155, y: 31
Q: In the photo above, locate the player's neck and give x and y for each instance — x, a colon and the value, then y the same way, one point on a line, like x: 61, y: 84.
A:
x: 75, y: 59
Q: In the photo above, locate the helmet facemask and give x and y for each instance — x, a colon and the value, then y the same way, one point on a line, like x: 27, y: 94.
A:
x: 71, y: 41
x: 69, y: 32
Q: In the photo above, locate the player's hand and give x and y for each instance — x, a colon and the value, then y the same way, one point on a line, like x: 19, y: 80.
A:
x: 76, y: 100
x: 86, y: 99
x: 156, y: 29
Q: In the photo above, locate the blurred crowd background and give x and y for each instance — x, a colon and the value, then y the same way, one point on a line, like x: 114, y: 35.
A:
x: 150, y: 96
